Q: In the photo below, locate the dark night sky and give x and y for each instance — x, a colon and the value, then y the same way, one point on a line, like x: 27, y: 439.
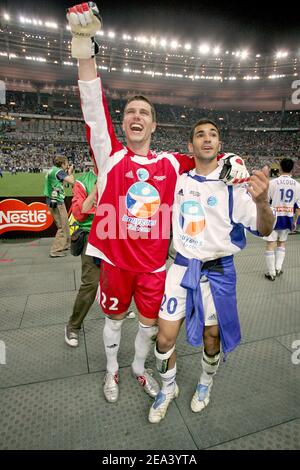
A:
x: 257, y: 24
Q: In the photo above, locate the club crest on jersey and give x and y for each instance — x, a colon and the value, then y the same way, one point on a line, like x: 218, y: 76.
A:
x: 212, y: 201
x: 142, y: 200
x: 192, y: 218
x: 142, y: 174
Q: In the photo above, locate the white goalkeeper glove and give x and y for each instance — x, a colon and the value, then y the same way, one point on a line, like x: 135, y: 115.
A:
x: 84, y: 20
x: 233, y: 169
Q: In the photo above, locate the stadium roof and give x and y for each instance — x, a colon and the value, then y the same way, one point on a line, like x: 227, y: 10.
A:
x: 264, y: 23
x: 35, y: 54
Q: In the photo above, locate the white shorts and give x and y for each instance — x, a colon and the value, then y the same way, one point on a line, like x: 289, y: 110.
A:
x: 278, y: 235
x: 173, y: 305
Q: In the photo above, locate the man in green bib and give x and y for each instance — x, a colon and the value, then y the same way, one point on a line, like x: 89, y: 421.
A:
x: 54, y: 191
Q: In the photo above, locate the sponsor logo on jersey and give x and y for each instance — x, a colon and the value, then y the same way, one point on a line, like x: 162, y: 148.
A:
x: 129, y: 174
x: 142, y: 200
x: 17, y: 215
x: 284, y: 209
x: 142, y: 174
x: 159, y: 178
x: 195, y: 193
x: 192, y: 218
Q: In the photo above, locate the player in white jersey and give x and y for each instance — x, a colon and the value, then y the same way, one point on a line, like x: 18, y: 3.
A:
x: 209, y: 222
x: 284, y: 196
x: 130, y: 231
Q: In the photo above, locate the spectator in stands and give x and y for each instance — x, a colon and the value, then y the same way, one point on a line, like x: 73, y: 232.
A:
x: 59, y: 174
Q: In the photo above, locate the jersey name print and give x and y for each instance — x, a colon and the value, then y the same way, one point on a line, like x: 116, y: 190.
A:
x: 284, y: 196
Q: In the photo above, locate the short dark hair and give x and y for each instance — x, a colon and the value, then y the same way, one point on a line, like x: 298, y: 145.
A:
x: 286, y: 164
x: 203, y: 121
x: 142, y: 98
x: 59, y: 160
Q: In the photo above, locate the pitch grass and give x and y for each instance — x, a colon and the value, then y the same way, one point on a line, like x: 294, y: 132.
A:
x: 25, y: 184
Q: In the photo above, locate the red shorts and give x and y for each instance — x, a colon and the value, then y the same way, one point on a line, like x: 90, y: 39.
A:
x: 118, y: 286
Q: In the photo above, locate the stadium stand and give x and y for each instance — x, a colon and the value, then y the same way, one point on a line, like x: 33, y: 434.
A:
x: 30, y: 137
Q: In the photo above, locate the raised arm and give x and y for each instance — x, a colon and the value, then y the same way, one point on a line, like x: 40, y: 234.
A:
x: 85, y: 21
x: 87, y: 69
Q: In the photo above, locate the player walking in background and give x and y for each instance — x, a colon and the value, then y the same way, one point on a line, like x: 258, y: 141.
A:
x: 209, y: 221
x: 284, y: 196
x: 130, y: 232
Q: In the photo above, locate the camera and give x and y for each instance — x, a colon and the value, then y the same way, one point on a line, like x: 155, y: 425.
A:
x: 53, y: 199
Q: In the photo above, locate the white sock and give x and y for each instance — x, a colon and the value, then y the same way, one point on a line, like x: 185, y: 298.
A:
x: 210, y: 366
x: 142, y: 345
x: 270, y: 262
x: 279, y: 257
x: 168, y: 380
x: 111, y: 339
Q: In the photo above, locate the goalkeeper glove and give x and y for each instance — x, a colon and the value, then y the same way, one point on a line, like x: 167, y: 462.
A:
x: 233, y: 169
x: 84, y: 20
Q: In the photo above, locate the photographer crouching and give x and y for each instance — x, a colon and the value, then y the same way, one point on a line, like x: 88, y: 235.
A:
x: 54, y: 191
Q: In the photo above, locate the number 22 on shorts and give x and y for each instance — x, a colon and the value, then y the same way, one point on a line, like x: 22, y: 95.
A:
x: 114, y: 302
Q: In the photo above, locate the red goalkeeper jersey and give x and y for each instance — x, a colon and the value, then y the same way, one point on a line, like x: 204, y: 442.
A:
x: 131, y: 227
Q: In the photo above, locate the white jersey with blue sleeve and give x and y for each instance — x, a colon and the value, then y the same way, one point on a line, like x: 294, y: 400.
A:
x: 210, y: 218
x: 284, y: 196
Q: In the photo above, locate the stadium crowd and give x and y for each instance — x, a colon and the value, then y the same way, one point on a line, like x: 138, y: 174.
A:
x: 55, y: 125
x: 67, y: 105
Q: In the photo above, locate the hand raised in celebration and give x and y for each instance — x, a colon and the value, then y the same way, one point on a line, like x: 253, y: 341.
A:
x: 84, y: 20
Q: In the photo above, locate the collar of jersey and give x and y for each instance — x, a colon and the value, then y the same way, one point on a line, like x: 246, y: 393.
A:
x: 130, y: 153
x: 200, y: 178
